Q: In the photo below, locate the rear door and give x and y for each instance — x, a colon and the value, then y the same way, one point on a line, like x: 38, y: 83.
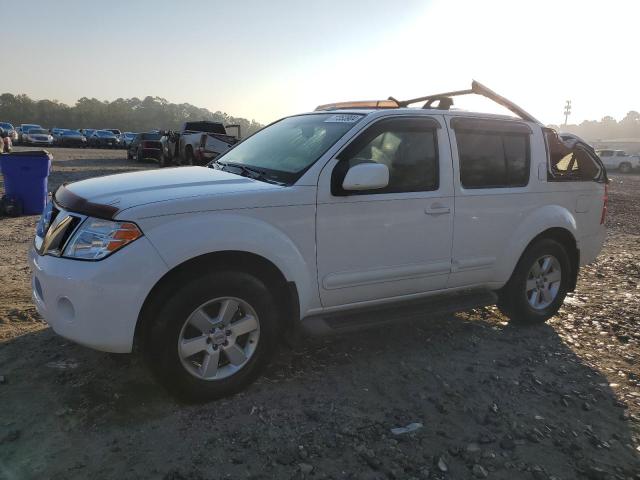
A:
x: 607, y: 158
x: 492, y: 169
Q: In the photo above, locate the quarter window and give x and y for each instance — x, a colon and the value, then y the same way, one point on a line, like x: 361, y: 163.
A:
x: 575, y: 165
x: 493, y: 159
x: 407, y: 146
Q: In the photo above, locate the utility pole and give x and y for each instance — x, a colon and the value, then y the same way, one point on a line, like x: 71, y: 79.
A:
x: 567, y: 111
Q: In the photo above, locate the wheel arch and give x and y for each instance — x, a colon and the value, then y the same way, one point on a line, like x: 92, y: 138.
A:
x: 565, y: 238
x: 552, y: 221
x: 285, y: 292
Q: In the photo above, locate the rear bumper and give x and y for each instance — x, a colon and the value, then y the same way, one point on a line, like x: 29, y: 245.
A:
x: 590, y: 246
x: 96, y: 304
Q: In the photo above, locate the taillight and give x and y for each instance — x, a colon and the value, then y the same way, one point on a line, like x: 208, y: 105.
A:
x: 605, y: 200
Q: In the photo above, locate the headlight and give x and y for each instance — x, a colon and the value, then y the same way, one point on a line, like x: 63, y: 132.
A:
x: 96, y: 238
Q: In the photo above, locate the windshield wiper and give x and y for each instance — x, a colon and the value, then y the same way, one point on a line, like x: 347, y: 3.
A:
x: 250, y: 172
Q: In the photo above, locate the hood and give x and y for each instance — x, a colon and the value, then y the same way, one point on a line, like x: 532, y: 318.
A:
x: 114, y: 193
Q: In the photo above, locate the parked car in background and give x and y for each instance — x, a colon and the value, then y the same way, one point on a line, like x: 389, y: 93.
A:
x: 23, y: 128
x: 149, y: 146
x: 103, y: 139
x: 357, y: 213
x: 117, y: 133
x: 5, y: 141
x: 11, y: 131
x: 200, y: 142
x: 127, y: 138
x: 55, y: 133
x: 72, y: 138
x: 618, y: 160
x: 37, y: 136
x: 87, y: 132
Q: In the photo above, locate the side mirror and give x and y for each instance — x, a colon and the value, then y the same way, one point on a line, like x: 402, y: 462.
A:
x: 366, y: 176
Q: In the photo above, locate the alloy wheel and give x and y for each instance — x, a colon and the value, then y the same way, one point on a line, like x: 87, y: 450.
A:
x: 543, y: 282
x: 218, y: 338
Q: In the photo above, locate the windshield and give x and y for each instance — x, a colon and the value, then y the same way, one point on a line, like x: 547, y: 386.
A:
x: 38, y: 131
x: 104, y: 133
x: 291, y: 145
x: 6, y: 126
x: 71, y: 132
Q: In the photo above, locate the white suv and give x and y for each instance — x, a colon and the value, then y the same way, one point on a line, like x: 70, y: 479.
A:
x: 354, y: 214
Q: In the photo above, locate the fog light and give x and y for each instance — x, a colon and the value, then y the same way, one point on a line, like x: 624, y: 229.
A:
x: 66, y: 310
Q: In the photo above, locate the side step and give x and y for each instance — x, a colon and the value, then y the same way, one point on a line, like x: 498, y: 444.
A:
x: 357, y: 319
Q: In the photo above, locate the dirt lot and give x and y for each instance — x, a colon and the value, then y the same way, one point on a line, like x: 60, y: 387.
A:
x: 559, y: 401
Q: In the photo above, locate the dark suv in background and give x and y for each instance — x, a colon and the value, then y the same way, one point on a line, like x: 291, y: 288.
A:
x: 148, y: 145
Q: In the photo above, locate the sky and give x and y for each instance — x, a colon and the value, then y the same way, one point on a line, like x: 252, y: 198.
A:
x: 264, y: 60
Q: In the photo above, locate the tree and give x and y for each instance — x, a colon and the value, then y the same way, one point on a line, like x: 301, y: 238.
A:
x: 127, y: 114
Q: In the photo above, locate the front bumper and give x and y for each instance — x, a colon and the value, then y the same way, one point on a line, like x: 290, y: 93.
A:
x: 96, y: 304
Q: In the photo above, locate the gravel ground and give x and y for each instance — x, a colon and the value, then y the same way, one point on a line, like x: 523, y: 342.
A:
x: 559, y: 401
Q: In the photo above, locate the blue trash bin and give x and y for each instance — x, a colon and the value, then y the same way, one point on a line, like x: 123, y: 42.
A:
x: 25, y: 178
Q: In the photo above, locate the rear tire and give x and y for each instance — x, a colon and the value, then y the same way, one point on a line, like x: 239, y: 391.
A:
x: 189, y: 158
x: 538, y: 285
x: 625, y: 167
x: 189, y: 377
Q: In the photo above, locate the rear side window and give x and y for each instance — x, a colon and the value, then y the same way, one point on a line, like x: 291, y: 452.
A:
x: 492, y: 159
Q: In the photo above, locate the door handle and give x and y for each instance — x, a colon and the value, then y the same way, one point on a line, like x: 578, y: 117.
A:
x: 437, y: 209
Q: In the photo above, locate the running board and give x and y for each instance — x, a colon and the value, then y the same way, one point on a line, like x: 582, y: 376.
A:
x: 345, y: 321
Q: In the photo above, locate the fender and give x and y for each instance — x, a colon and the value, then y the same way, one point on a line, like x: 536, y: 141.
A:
x: 189, y: 236
x: 544, y: 218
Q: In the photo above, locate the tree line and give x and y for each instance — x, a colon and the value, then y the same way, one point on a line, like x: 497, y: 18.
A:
x: 606, y: 129
x: 135, y: 115
x: 126, y: 114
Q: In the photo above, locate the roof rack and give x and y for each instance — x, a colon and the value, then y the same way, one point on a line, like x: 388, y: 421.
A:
x: 390, y: 103
x: 444, y: 100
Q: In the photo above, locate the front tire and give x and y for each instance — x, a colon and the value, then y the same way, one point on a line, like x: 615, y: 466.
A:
x: 538, y: 285
x: 189, y: 158
x: 625, y: 167
x: 212, y: 336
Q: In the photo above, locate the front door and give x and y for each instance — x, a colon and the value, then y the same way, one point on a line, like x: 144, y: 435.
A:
x: 394, y: 241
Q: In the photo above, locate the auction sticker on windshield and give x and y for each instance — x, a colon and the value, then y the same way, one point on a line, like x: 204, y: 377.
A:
x: 343, y: 118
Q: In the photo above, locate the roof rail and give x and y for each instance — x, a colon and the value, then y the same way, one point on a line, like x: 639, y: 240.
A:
x: 444, y: 99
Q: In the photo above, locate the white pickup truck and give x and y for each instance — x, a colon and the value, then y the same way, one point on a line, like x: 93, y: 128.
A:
x: 355, y: 214
x: 619, y: 160
x: 200, y: 142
